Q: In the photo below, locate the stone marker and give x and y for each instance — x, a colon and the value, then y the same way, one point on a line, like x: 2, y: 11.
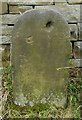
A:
x: 40, y: 58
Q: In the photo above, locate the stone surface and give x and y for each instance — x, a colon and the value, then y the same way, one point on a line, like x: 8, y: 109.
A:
x: 80, y: 35
x: 18, y: 9
x: 70, y: 12
x: 78, y: 50
x: 74, y: 1
x: 40, y: 58
x: 4, y: 55
x: 31, y: 2
x: 80, y: 30
x: 73, y: 32
x: 3, y: 8
x: 78, y: 62
x: 5, y: 30
x: 5, y: 39
x: 60, y: 1
x: 9, y: 18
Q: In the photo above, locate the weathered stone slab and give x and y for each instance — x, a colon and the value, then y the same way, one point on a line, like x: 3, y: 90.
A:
x: 80, y: 35
x: 5, y: 39
x: 8, y: 19
x: 30, y: 2
x: 78, y: 50
x: 75, y: 72
x: 18, y: 9
x: 60, y: 1
x: 3, y: 7
x: 70, y: 12
x: 40, y: 58
x: 73, y: 32
x: 78, y: 62
x: 74, y: 1
x: 80, y: 30
x: 5, y: 30
x: 3, y: 0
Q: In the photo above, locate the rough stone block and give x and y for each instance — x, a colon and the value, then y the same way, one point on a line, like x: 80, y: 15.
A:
x: 39, y: 66
x: 78, y: 50
x: 3, y: 0
x: 60, y: 1
x: 3, y: 7
x: 74, y: 1
x: 9, y: 19
x: 30, y: 2
x: 73, y: 31
x: 5, y: 39
x: 80, y: 30
x: 70, y: 12
x: 22, y: 9
x: 80, y: 35
x: 18, y: 9
x: 6, y: 30
x: 78, y: 62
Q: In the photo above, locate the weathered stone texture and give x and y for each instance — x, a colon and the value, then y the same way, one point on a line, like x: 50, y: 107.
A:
x: 60, y: 1
x: 78, y: 62
x: 78, y: 50
x: 31, y: 2
x: 3, y: 7
x: 40, y: 67
x: 74, y: 1
x: 6, y: 30
x: 80, y: 30
x: 9, y: 19
x: 5, y: 39
x: 73, y: 32
x: 70, y: 12
x: 18, y: 9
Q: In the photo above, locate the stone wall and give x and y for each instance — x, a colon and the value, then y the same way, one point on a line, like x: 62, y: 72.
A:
x: 10, y: 11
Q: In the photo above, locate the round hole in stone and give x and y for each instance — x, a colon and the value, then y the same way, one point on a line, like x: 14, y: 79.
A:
x: 49, y: 24
x: 29, y: 40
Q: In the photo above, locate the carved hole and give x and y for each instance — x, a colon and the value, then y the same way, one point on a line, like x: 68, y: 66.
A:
x: 29, y: 41
x: 49, y: 24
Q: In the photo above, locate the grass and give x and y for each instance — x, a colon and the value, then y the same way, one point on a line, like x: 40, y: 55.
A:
x: 47, y: 110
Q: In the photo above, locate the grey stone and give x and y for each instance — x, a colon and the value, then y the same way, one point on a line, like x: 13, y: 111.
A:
x: 80, y: 30
x: 5, y: 39
x: 78, y: 50
x: 9, y: 18
x: 3, y: 7
x: 70, y: 12
x: 5, y: 30
x: 18, y: 9
x: 60, y: 1
x: 74, y: 1
x: 40, y: 58
x: 30, y: 2
x: 80, y: 35
x: 73, y: 32
x: 78, y: 62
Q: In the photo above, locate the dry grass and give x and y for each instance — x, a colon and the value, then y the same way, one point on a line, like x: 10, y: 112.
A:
x: 47, y: 110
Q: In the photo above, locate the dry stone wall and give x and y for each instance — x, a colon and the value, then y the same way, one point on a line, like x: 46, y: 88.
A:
x: 10, y: 11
